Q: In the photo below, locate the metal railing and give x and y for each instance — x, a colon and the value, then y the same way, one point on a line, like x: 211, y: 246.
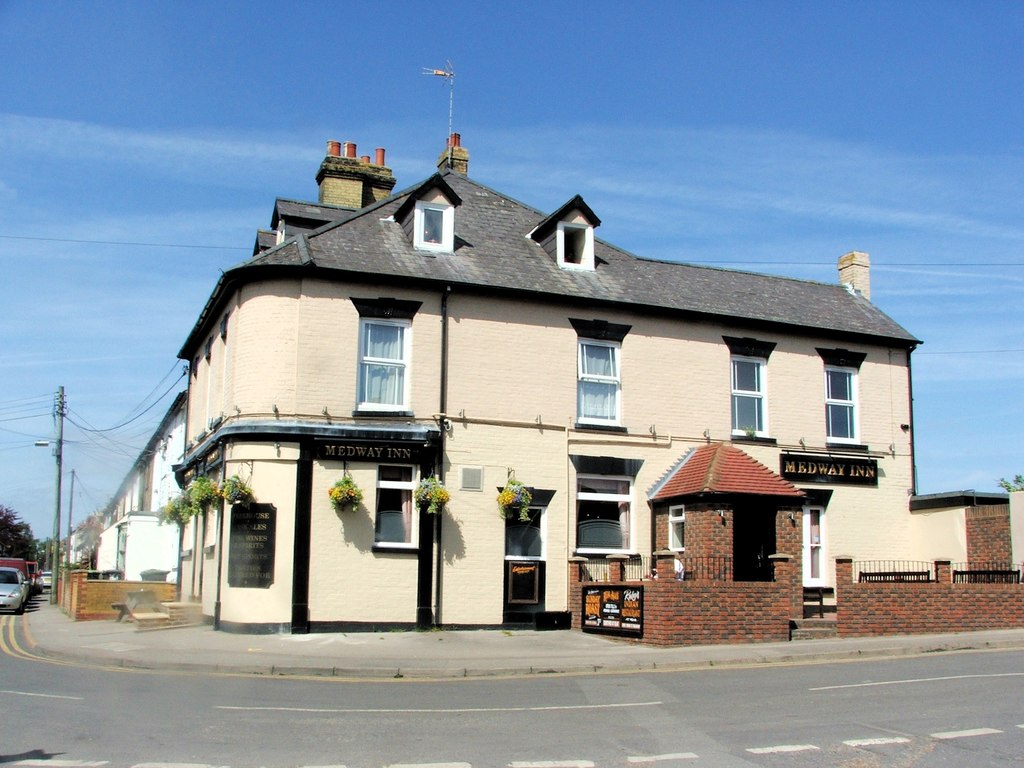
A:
x: 986, y: 572
x: 893, y: 571
x: 637, y: 568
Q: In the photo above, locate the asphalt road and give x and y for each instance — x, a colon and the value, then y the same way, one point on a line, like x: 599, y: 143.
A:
x: 959, y: 709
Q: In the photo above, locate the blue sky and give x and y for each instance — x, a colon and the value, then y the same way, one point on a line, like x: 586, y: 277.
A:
x: 142, y: 145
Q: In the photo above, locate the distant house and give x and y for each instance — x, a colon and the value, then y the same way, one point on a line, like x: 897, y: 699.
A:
x: 449, y: 331
x: 135, y: 541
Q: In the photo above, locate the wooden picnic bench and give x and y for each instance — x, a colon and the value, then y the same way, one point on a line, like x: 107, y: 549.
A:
x: 142, y: 602
x: 895, y: 577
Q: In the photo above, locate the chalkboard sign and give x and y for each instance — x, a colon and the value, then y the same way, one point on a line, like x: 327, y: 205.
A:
x: 252, y: 543
x: 613, y: 610
x: 523, y: 583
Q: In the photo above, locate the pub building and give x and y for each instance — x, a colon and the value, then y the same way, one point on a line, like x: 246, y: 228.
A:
x: 446, y: 332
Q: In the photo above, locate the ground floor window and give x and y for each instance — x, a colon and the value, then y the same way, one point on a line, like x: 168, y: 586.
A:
x: 524, y: 538
x: 603, y: 517
x: 395, y: 519
x: 814, y: 542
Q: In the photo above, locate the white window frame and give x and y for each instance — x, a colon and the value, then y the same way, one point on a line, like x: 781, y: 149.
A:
x: 851, y: 404
x: 403, y: 364
x: 626, y: 498
x: 402, y: 485
x: 760, y: 395
x: 677, y: 517
x: 614, y: 380
x: 447, y: 243
x: 809, y: 545
x: 586, y: 258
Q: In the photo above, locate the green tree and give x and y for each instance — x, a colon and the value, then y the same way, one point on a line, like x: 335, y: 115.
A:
x: 1017, y: 484
x: 15, y: 536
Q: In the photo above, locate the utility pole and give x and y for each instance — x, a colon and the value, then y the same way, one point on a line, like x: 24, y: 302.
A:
x: 59, y: 409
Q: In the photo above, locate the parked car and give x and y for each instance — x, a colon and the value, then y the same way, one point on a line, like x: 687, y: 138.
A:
x: 14, y: 590
x: 46, y: 580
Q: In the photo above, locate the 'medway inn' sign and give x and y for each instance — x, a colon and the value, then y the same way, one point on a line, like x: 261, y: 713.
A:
x: 829, y: 469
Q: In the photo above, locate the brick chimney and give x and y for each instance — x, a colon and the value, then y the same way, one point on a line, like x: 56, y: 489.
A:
x: 455, y: 156
x: 855, y: 272
x: 351, y: 181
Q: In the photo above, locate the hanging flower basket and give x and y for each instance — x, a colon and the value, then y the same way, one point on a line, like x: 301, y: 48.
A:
x: 235, y: 491
x: 345, y: 493
x: 201, y: 493
x: 432, y: 492
x: 177, y: 510
x: 515, y: 498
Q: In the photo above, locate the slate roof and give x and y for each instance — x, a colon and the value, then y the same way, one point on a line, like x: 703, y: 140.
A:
x: 721, y: 468
x: 494, y: 253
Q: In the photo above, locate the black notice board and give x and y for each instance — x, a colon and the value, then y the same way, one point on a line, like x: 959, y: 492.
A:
x: 252, y: 544
x: 523, y: 583
x: 613, y: 610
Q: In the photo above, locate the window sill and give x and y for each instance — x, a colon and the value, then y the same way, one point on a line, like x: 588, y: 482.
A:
x: 583, y: 426
x: 754, y: 439
x: 396, y: 549
x: 832, y: 446
x: 368, y: 414
x: 604, y: 552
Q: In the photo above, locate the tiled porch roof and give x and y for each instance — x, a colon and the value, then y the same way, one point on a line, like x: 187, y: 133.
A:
x: 721, y: 469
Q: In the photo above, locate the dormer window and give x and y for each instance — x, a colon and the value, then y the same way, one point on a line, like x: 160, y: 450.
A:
x: 575, y: 246
x: 567, y: 235
x: 434, y: 226
x: 428, y: 216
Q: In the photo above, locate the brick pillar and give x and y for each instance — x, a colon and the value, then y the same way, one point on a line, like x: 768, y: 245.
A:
x: 618, y: 570
x: 788, y: 577
x: 576, y: 569
x: 943, y: 571
x: 665, y: 564
x: 844, y: 570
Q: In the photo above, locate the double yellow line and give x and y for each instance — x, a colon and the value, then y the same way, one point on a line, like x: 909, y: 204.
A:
x: 14, y: 646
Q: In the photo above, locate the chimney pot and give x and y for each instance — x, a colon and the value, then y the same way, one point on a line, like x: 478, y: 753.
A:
x: 364, y: 159
x: 350, y: 149
x: 455, y: 140
x: 379, y: 160
x: 334, y: 148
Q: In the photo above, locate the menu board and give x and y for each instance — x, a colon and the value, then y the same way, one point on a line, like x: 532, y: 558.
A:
x: 523, y: 583
x: 252, y: 543
x: 613, y: 610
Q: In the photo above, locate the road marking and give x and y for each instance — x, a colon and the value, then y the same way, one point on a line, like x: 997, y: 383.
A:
x: 309, y: 710
x: 877, y: 742
x: 661, y: 758
x: 553, y: 764
x: 780, y: 748
x: 66, y: 763
x: 44, y: 696
x: 965, y: 734
x: 177, y: 765
x: 914, y: 680
x: 429, y: 765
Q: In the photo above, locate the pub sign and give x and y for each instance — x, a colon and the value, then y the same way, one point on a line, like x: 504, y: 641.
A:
x: 837, y: 470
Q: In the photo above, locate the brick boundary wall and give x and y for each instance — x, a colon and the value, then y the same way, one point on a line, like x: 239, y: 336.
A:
x: 988, y: 533
x: 706, y: 612
x: 866, y: 610
x: 90, y: 600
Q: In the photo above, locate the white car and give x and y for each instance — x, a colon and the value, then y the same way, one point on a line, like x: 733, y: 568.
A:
x: 14, y: 590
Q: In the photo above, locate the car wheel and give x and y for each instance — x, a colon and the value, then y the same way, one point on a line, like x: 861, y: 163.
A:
x: 20, y: 609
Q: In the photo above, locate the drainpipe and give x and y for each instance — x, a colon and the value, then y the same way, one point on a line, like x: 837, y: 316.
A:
x: 910, y: 395
x: 443, y: 406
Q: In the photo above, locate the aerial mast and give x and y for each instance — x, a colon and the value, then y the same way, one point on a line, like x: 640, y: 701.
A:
x: 448, y: 73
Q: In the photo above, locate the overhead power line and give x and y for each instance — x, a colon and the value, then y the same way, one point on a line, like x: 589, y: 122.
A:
x: 123, y: 242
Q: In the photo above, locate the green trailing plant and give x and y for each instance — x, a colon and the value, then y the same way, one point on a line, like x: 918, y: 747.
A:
x: 234, y: 490
x: 177, y: 511
x: 515, y: 498
x: 202, y: 492
x: 431, y: 491
x: 345, y: 493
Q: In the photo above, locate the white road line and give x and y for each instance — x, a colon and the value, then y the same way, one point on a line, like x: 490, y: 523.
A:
x: 429, y: 765
x: 661, y: 758
x: 877, y: 742
x: 965, y: 734
x: 65, y: 763
x: 178, y: 765
x: 44, y: 696
x: 780, y: 748
x: 553, y: 764
x: 308, y: 710
x: 914, y: 680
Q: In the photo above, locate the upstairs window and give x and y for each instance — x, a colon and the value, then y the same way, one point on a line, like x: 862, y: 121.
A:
x: 434, y: 226
x: 841, y: 404
x: 598, y: 386
x: 748, y: 397
x: 677, y: 528
x: 383, y: 365
x: 575, y: 246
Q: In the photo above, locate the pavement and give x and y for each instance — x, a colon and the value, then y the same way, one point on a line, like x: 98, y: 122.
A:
x: 446, y: 654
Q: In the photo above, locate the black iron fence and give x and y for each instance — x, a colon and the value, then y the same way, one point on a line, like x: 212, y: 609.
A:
x: 893, y: 571
x: 986, y: 572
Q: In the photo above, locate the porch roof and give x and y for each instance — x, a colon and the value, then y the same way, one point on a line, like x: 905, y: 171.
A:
x: 721, y: 468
